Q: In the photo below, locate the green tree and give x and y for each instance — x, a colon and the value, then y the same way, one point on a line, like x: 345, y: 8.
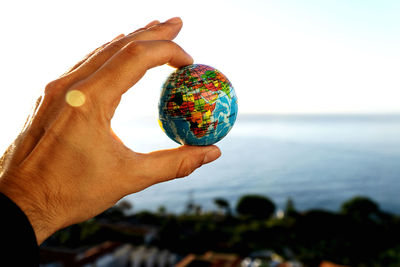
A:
x: 360, y: 208
x: 223, y: 205
x: 162, y: 210
x: 255, y: 206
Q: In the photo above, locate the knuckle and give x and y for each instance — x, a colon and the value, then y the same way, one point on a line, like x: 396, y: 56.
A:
x: 55, y: 87
x: 134, y: 48
x: 114, y: 46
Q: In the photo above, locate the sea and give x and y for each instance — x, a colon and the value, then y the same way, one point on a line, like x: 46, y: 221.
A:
x: 318, y: 161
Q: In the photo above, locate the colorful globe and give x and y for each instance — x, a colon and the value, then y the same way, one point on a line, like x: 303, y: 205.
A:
x: 198, y: 105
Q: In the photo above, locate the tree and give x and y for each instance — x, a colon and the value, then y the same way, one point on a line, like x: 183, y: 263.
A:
x: 255, y: 206
x: 162, y: 210
x: 223, y: 205
x: 360, y: 208
x: 290, y: 209
x: 124, y: 206
x: 190, y: 205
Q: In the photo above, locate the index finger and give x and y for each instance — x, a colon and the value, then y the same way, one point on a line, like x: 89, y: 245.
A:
x: 126, y: 67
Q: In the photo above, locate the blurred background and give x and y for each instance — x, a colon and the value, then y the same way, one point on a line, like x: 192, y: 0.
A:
x: 308, y: 175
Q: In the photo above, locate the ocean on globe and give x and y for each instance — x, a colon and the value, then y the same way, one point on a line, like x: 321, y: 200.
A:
x: 198, y: 105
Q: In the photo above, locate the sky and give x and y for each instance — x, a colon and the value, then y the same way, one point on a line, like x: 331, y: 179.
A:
x: 298, y: 56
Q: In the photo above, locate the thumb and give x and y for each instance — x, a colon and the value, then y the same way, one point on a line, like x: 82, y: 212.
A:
x: 164, y: 165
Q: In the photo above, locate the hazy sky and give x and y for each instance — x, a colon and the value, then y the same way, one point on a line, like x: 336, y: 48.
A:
x: 281, y: 56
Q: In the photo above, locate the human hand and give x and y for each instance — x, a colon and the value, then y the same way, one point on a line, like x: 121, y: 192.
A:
x: 67, y: 165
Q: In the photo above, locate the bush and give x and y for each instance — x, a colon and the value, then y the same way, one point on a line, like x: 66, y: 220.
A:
x: 255, y: 206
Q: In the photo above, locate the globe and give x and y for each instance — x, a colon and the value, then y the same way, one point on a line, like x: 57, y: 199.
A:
x: 198, y: 105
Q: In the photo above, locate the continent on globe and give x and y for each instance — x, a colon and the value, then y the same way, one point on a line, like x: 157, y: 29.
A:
x: 198, y: 105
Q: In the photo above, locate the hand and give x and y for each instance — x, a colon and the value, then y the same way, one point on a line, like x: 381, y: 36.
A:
x: 67, y: 165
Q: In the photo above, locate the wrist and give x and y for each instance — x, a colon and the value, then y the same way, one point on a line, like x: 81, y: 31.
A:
x: 29, y: 202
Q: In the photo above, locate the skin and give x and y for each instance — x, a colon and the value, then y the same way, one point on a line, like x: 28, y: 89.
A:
x: 67, y: 165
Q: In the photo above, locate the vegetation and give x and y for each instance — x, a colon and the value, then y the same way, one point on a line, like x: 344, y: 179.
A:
x: 255, y: 207
x: 360, y: 234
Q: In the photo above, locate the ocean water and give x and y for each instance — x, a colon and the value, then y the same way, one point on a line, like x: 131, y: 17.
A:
x: 317, y: 160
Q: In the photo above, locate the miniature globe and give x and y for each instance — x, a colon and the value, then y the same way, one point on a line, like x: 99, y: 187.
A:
x: 198, y: 105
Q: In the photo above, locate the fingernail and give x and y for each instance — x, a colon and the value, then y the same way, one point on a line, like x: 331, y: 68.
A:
x: 211, y: 155
x: 175, y: 20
